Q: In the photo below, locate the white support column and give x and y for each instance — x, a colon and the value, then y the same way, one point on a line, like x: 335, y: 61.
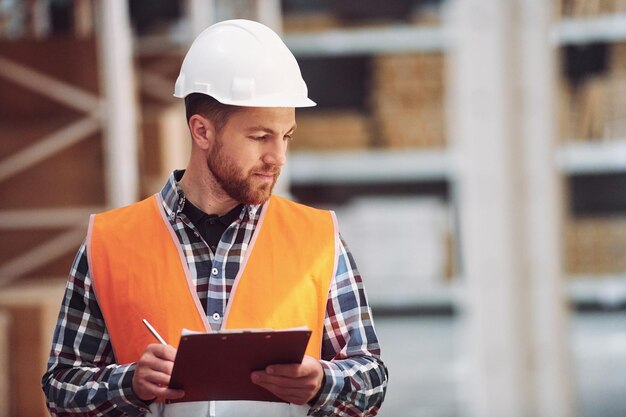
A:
x: 484, y: 128
x: 118, y: 87
x: 552, y: 379
x: 40, y: 18
x: 201, y: 14
x: 83, y: 18
x: 269, y: 13
x: 502, y: 128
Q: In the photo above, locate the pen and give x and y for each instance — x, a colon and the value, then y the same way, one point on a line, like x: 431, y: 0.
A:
x: 154, y: 332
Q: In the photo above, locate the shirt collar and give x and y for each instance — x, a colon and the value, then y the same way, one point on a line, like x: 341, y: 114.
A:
x: 174, y: 198
x: 199, y: 217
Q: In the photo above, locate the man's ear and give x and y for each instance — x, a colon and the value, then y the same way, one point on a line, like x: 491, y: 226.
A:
x: 202, y: 131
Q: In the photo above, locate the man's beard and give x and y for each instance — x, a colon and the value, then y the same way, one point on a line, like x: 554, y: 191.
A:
x: 240, y: 185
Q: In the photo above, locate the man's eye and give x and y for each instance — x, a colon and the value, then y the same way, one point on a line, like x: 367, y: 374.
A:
x: 288, y: 138
x: 259, y: 138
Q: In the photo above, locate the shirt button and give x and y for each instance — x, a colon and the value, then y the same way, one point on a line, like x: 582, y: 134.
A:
x: 214, y: 271
x: 216, y: 316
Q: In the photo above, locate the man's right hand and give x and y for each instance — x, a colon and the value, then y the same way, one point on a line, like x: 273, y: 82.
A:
x: 152, y: 374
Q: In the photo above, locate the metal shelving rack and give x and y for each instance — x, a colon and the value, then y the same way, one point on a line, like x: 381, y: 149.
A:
x: 392, y: 39
x: 410, y: 38
x: 381, y: 166
x: 393, y: 166
x: 368, y: 166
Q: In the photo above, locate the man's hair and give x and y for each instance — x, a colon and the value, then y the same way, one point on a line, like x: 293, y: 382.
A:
x: 207, y: 106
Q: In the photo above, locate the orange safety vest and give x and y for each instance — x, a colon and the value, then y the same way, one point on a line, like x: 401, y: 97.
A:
x: 138, y: 270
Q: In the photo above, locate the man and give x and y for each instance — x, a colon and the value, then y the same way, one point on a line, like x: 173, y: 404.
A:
x: 215, y: 250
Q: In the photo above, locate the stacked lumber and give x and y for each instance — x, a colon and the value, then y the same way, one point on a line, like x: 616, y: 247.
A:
x: 313, y: 21
x: 32, y: 310
x: 595, y: 107
x: 616, y: 115
x: 408, y: 100
x: 589, y: 8
x: 331, y: 130
x: 595, y: 246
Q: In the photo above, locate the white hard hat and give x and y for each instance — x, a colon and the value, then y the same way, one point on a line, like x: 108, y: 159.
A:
x: 242, y: 63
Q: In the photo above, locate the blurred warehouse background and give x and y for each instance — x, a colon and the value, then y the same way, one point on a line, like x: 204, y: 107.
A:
x: 474, y: 151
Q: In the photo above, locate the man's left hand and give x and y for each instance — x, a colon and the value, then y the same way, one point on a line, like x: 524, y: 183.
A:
x: 294, y: 383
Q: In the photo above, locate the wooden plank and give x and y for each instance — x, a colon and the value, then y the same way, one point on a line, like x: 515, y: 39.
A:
x: 77, y: 68
x: 60, y: 186
x: 33, y: 309
x: 4, y: 364
x: 332, y: 131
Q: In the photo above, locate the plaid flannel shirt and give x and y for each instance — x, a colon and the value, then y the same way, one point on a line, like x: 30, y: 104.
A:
x: 83, y: 378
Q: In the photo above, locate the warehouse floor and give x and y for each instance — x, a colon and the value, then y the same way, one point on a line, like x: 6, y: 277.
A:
x: 424, y: 356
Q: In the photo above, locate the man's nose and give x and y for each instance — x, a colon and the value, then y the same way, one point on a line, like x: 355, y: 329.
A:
x: 276, y: 154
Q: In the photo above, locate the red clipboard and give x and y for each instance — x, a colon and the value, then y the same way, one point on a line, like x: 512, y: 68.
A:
x: 217, y: 366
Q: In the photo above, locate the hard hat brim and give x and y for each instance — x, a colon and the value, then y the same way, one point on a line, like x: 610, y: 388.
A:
x: 278, y: 101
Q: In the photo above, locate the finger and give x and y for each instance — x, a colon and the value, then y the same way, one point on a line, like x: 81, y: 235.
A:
x: 163, y: 352
x: 287, y: 387
x: 156, y: 364
x: 309, y: 365
x: 290, y: 370
x: 162, y: 392
x: 291, y: 395
x: 168, y: 393
x: 156, y: 378
x: 157, y: 357
x: 279, y: 381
